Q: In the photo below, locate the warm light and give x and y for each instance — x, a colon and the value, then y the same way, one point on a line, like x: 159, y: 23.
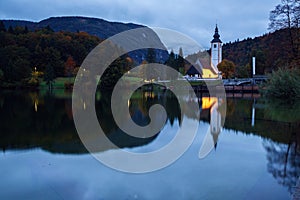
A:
x: 84, y: 106
x: 36, y: 103
x: 149, y: 94
x: 207, y: 73
x: 208, y: 102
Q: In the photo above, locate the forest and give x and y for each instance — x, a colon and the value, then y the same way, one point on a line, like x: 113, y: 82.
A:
x: 272, y: 51
x: 26, y: 54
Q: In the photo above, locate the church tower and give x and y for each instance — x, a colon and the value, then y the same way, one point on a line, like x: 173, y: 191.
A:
x: 216, y: 49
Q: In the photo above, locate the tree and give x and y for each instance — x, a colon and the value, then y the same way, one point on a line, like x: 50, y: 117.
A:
x: 243, y: 71
x: 15, y: 63
x: 49, y: 76
x: 227, y: 68
x: 147, y: 72
x: 1, y: 75
x: 112, y: 74
x: 70, y: 65
x: 283, y: 84
x: 180, y: 61
x: 53, y: 57
x: 2, y: 26
x: 287, y: 16
x: 172, y: 62
x: 10, y: 30
x: 19, y: 69
x: 151, y: 56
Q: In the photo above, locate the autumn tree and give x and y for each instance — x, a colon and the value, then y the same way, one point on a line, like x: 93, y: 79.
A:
x: 22, y: 49
x: 70, y: 65
x: 227, y: 68
x: 286, y: 15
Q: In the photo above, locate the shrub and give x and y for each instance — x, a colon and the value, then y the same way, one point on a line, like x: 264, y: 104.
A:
x: 284, y: 84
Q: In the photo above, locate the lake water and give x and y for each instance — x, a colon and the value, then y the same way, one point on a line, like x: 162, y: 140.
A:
x: 257, y: 154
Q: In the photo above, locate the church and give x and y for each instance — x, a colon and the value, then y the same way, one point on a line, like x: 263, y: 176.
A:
x: 210, y: 71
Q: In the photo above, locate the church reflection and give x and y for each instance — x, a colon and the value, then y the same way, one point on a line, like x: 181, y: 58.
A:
x: 40, y: 120
x: 213, y: 103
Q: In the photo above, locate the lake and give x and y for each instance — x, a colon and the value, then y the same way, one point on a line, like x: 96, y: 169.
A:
x: 256, y: 155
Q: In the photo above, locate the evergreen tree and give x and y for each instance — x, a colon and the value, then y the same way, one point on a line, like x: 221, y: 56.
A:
x: 11, y: 30
x: 53, y: 57
x: 171, y: 62
x: 26, y: 30
x: 180, y: 61
x: 2, y: 26
x: 112, y: 74
x: 1, y: 75
x: 151, y: 56
x: 49, y: 76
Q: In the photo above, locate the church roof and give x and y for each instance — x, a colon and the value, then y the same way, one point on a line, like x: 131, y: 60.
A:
x: 216, y: 36
x: 192, y: 71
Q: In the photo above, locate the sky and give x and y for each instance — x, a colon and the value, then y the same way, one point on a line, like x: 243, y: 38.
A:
x: 236, y: 19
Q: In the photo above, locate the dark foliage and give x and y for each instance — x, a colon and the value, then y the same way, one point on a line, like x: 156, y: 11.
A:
x: 22, y: 51
x: 272, y: 51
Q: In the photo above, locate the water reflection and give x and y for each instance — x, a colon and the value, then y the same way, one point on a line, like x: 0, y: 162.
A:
x: 45, y: 120
x: 284, y: 162
x: 41, y: 120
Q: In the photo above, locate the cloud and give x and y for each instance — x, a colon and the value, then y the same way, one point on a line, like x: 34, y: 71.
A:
x: 236, y: 18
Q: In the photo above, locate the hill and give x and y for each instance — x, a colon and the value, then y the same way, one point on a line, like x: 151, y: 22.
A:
x: 57, y: 46
x: 94, y: 26
x: 272, y: 50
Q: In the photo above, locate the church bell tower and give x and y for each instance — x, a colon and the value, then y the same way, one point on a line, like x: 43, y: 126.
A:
x: 216, y: 49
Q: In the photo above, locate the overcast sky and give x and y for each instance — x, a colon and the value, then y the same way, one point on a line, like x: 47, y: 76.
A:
x: 237, y: 19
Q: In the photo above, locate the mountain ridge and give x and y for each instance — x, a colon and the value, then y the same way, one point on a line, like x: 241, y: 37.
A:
x: 94, y: 26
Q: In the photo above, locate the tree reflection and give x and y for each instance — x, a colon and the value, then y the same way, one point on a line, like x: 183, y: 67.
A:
x: 284, y: 159
x: 284, y: 162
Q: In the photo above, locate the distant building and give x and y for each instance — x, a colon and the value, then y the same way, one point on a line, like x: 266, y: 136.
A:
x: 215, y: 57
x: 216, y: 49
x: 208, y: 68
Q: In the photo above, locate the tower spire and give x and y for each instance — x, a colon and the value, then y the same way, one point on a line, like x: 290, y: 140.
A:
x: 216, y: 35
x: 216, y: 49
